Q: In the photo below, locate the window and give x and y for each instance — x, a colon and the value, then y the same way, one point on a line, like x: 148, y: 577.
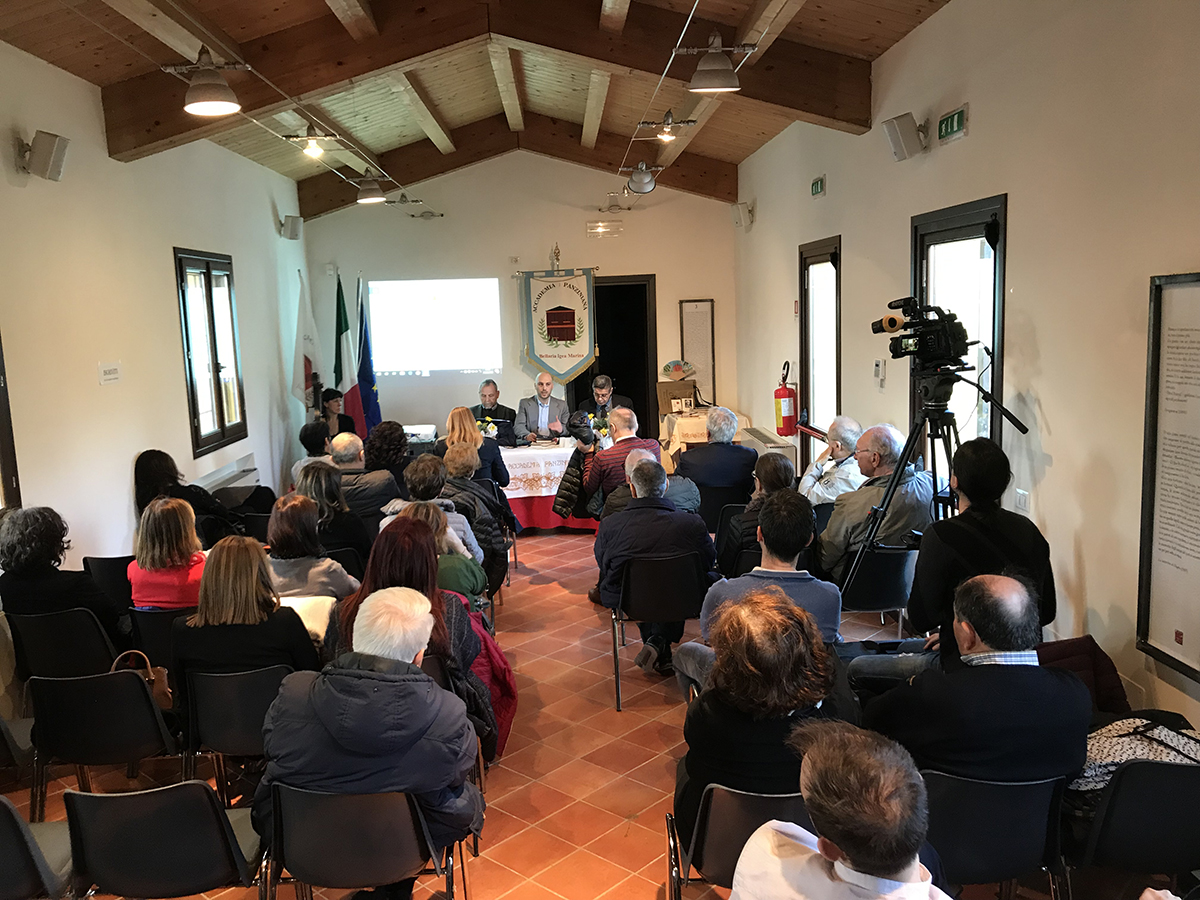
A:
x: 820, y: 339
x: 958, y: 264
x: 10, y: 488
x: 210, y: 349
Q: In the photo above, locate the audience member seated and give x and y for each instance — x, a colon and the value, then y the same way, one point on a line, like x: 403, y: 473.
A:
x: 720, y: 463
x: 489, y: 406
x: 869, y: 815
x: 33, y: 542
x: 835, y: 471
x: 367, y: 493
x: 541, y: 416
x: 299, y: 567
x: 314, y: 438
x: 156, y: 475
x: 461, y: 429
x: 603, y: 400
x: 335, y: 420
x: 605, y: 470
x: 166, y: 570
x: 373, y: 722
x: 649, y: 526
x: 456, y: 570
x: 982, y: 540
x: 433, y: 515
x: 386, y: 448
x: 771, y: 671
x: 239, y: 624
x: 680, y: 491
x: 1002, y: 717
x: 772, y: 472
x: 785, y: 528
x: 878, y: 453
x: 480, y: 509
x: 337, y: 527
x: 425, y: 479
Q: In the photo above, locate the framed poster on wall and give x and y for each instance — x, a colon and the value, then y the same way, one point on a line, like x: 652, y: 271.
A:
x: 1168, y: 627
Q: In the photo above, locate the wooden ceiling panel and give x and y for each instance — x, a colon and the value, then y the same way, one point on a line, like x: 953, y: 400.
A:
x: 628, y: 96
x: 245, y: 19
x: 862, y: 28
x: 553, y: 85
x: 727, y: 12
x: 374, y: 113
x: 264, y: 148
x: 732, y: 134
x: 461, y: 86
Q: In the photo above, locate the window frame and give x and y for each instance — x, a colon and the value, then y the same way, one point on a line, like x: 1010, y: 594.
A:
x: 10, y: 487
x: 225, y: 434
x: 954, y: 223
x: 826, y: 250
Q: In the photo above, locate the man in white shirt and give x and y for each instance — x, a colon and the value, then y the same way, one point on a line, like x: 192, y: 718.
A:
x: 867, y: 802
x: 835, y: 471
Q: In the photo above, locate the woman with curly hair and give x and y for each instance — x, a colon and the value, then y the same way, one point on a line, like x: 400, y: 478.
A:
x: 772, y: 671
x: 386, y: 448
x: 33, y: 543
x: 461, y: 429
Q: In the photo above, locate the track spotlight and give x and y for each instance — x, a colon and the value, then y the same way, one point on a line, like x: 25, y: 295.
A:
x: 369, y: 191
x: 312, y: 148
x: 641, y: 181
x: 208, y: 93
x: 666, y: 128
x: 714, y: 71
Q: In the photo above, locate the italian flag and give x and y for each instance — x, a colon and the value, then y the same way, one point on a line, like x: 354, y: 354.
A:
x: 345, y: 365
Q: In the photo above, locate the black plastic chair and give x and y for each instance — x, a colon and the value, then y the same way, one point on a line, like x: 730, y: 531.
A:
x: 95, y: 720
x: 349, y: 559
x: 435, y: 668
x: 166, y: 842
x: 725, y: 522
x: 62, y: 644
x: 882, y: 584
x: 35, y: 860
x: 1147, y: 820
x: 256, y: 525
x: 111, y: 574
x: 16, y: 743
x: 715, y: 499
x: 226, y: 713
x: 152, y: 632
x: 657, y: 589
x: 725, y: 822
x: 822, y: 512
x: 351, y: 841
x: 746, y: 560
x: 993, y: 831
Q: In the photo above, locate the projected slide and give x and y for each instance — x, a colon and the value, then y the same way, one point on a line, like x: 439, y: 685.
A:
x: 451, y: 324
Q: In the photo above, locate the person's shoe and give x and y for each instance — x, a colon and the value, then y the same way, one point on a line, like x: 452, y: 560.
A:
x: 647, y: 657
x: 594, y: 595
x: 663, y: 665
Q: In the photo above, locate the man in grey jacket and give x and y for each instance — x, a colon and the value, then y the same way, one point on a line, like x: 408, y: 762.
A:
x: 878, y: 453
x: 541, y: 416
x: 367, y: 493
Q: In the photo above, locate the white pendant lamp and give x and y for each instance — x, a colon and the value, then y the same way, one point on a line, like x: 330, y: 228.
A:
x: 208, y: 93
x: 714, y: 71
x: 369, y: 190
x: 642, y: 180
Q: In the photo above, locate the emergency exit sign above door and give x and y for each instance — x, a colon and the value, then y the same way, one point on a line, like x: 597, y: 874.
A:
x: 953, y: 125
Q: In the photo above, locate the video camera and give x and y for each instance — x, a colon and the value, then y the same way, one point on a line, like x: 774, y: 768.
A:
x: 936, y: 339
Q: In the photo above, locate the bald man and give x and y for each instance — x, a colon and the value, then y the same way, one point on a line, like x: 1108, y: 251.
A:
x: 541, y: 416
x: 1002, y: 717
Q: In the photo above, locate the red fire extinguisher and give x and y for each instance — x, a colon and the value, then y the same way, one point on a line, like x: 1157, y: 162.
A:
x: 785, y: 406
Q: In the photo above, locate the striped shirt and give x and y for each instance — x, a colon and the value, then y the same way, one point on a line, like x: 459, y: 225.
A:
x: 1013, y: 658
x: 606, y: 469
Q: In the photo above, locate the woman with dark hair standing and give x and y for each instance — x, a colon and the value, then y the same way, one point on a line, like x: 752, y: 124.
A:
x: 386, y: 447
x: 299, y: 567
x: 337, y: 526
x: 461, y: 429
x: 338, y: 421
x: 773, y: 472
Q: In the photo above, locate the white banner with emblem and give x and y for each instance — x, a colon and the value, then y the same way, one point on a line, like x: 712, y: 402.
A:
x: 560, y: 321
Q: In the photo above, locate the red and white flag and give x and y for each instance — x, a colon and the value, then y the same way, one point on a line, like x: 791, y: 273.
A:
x: 308, y: 350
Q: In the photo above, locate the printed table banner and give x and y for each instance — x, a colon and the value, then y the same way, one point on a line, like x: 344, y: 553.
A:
x: 559, y: 321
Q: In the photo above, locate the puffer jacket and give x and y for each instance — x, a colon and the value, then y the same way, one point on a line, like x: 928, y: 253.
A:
x: 570, y: 488
x: 471, y: 506
x: 368, y: 725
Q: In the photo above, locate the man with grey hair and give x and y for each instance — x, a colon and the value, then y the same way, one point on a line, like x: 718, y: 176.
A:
x: 720, y: 463
x: 489, y: 406
x: 367, y: 493
x: 878, y: 453
x: 649, y: 526
x: 835, y: 471
x: 603, y: 400
x: 605, y: 470
x: 373, y: 722
x: 680, y: 491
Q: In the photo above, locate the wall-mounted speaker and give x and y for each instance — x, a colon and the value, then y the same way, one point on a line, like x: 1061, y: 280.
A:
x: 45, y: 156
x: 743, y: 216
x: 906, y: 136
x: 291, y: 227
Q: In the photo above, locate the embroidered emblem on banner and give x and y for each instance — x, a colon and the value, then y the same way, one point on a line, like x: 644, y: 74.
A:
x: 559, y: 321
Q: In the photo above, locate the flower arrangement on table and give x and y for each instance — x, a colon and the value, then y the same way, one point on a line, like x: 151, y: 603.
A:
x: 486, y: 426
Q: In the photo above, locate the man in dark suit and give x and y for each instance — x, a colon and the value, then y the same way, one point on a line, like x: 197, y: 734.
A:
x: 603, y: 399
x: 649, y: 526
x: 1002, y: 717
x: 489, y: 404
x: 720, y: 463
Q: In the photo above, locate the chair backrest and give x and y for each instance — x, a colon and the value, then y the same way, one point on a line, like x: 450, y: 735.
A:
x: 1148, y: 819
x: 746, y: 560
x: 663, y: 588
x: 989, y: 831
x: 256, y: 525
x: 165, y: 842
x: 111, y: 574
x: 63, y: 644
x: 16, y: 748
x: 435, y: 668
x: 347, y: 840
x: 97, y: 720
x: 725, y: 823
x: 822, y: 511
x: 725, y: 521
x: 152, y: 632
x: 349, y: 559
x: 883, y: 582
x: 24, y: 873
x: 227, y: 710
x: 714, y: 499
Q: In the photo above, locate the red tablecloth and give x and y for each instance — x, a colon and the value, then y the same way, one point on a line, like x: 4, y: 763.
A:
x: 538, y: 512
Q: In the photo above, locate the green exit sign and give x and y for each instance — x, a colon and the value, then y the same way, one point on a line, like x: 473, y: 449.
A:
x: 818, y: 186
x: 953, y: 125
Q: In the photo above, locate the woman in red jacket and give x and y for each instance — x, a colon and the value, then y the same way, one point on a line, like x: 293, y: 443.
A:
x: 166, y: 571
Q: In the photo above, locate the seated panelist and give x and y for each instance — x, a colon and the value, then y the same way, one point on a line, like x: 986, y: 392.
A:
x: 603, y: 400
x: 489, y: 405
x: 541, y: 416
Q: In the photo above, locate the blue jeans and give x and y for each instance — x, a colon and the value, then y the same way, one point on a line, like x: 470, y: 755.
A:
x: 875, y: 673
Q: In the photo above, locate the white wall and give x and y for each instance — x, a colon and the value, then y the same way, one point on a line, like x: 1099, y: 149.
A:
x: 1084, y: 114
x: 520, y: 205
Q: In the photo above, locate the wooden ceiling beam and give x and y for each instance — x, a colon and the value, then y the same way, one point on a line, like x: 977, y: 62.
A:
x: 178, y: 25
x: 597, y: 95
x: 764, y: 23
x: 506, y: 83
x: 613, y: 14
x: 700, y: 108
x: 356, y: 16
x: 422, y: 109
x: 353, y: 146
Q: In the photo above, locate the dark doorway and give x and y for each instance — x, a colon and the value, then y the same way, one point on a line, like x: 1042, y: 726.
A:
x: 627, y: 334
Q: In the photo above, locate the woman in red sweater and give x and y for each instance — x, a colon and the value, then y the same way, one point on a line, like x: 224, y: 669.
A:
x: 166, y: 571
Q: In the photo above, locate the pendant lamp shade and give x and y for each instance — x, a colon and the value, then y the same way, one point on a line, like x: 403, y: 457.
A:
x: 370, y: 192
x: 714, y: 71
x: 208, y: 93
x: 642, y: 180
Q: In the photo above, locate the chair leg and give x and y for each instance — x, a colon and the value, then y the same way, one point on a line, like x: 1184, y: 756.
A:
x: 482, y: 766
x: 222, y: 783
x: 1008, y: 890
x: 131, y: 770
x: 188, y: 766
x: 449, y: 867
x: 674, y: 877
x: 622, y: 632
x: 899, y: 624
x: 616, y: 661
x: 303, y: 891
x: 271, y: 872
x: 462, y: 864
x: 37, y: 790
x: 1060, y: 886
x: 84, y: 779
